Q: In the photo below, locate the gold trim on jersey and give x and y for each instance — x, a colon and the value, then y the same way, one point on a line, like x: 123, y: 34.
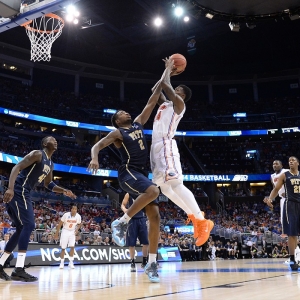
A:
x: 46, y: 155
x: 18, y: 213
x: 132, y: 188
x: 128, y: 160
x: 25, y: 183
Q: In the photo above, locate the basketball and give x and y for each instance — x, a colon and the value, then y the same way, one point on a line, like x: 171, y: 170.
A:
x: 179, y: 62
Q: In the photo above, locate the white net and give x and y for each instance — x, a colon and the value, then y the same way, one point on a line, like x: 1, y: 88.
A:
x: 42, y: 33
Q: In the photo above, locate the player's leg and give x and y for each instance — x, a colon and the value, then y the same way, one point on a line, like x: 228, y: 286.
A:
x: 142, y: 230
x: 281, y: 208
x: 202, y: 226
x: 62, y: 258
x: 141, y: 186
x: 291, y: 226
x: 64, y: 239
x: 145, y: 252
x: 152, y: 213
x: 13, y: 241
x: 131, y: 237
x: 23, y: 205
x: 71, y: 244
x: 136, y: 184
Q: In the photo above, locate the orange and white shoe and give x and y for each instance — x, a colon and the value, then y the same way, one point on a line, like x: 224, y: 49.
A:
x: 204, y: 228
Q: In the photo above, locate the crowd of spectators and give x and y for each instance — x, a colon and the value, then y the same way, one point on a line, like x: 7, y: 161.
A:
x: 201, y: 115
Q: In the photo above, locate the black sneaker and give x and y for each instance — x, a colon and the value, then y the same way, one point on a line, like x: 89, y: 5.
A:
x: 294, y: 266
x: 19, y: 274
x: 3, y: 275
x: 132, y: 267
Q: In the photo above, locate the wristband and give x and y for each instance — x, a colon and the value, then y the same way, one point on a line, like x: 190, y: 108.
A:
x: 51, y: 186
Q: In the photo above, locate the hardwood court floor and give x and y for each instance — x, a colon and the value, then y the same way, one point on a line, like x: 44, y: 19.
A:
x: 221, y: 279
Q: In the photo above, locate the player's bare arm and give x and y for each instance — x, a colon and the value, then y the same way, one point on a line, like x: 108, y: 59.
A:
x: 145, y: 114
x: 162, y: 97
x: 57, y: 189
x: 124, y: 203
x: 114, y: 137
x: 168, y: 89
x: 58, y: 227
x: 29, y: 159
x: 280, y: 182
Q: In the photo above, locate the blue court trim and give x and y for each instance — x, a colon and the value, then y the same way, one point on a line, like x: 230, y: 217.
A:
x: 233, y: 270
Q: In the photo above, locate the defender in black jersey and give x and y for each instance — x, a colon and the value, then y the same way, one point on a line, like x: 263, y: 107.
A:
x: 291, y: 209
x: 35, y: 168
x: 130, y: 140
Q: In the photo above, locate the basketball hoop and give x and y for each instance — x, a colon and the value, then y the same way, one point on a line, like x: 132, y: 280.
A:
x: 42, y: 33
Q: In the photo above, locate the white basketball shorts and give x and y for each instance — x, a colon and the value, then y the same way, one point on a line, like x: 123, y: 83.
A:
x: 165, y: 162
x: 67, y: 238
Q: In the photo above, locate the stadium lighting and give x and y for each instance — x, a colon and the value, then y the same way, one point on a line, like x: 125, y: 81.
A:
x: 209, y: 15
x: 178, y: 11
x: 71, y: 9
x: 158, y: 22
x: 69, y: 18
x: 235, y: 27
x: 72, y: 13
x: 186, y: 19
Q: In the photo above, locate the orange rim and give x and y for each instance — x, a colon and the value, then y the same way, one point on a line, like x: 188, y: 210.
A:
x: 50, y: 15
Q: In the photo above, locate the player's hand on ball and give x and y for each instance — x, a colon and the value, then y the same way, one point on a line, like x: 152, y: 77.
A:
x: 174, y: 69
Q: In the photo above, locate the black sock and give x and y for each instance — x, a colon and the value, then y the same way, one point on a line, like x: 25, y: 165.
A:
x: 292, y: 258
x: 132, y: 261
x: 145, y: 260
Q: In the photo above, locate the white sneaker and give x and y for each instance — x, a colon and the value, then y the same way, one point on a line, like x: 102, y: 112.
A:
x: 61, y: 266
x: 71, y: 265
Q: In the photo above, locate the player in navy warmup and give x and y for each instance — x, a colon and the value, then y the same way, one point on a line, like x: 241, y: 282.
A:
x: 137, y: 229
x: 35, y: 168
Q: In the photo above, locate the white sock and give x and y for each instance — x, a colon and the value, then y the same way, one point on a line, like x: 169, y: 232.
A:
x: 3, y: 258
x: 125, y: 218
x: 62, y: 261
x: 71, y: 258
x: 21, y: 260
x: 152, y: 258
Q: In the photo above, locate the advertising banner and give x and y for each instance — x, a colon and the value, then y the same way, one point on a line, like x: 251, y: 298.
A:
x: 48, y: 254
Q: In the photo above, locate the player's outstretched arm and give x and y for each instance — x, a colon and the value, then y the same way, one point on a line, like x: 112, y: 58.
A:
x: 145, y: 114
x: 51, y: 186
x: 111, y: 138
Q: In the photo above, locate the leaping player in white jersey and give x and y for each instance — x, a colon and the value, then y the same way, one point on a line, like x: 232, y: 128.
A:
x: 164, y: 154
x: 69, y: 221
x: 278, y: 170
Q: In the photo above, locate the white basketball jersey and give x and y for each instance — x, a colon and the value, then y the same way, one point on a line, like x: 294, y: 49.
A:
x: 166, y: 122
x: 274, y: 178
x: 69, y: 221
